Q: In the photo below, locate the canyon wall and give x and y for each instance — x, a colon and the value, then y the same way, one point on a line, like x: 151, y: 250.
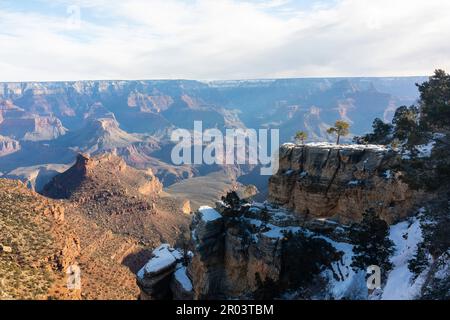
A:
x: 341, y: 182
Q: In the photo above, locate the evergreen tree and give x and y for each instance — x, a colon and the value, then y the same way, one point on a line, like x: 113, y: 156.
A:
x: 435, y: 101
x: 301, y: 136
x: 420, y: 261
x: 340, y: 129
x: 382, y: 133
x: 372, y: 244
x: 406, y: 125
x: 232, y: 200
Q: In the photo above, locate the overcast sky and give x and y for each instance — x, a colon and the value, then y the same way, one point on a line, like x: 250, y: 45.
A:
x: 221, y: 39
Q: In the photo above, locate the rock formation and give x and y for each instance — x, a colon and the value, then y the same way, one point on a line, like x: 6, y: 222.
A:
x: 8, y: 146
x: 341, y: 182
x: 123, y: 199
x: 237, y: 251
x: 20, y: 124
x: 164, y: 275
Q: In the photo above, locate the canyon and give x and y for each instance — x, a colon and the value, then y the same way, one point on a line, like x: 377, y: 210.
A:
x: 99, y: 190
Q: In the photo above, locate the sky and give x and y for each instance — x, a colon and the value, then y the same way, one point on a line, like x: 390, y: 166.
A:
x: 55, y: 40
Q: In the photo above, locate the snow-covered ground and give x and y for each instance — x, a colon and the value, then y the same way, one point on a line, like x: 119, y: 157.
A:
x: 400, y: 284
x: 344, y: 282
x: 209, y: 214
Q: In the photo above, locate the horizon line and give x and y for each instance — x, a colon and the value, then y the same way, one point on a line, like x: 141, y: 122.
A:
x: 216, y: 80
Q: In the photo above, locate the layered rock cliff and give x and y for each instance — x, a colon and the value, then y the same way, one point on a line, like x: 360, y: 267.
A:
x: 341, y: 182
x: 8, y: 146
x: 246, y: 251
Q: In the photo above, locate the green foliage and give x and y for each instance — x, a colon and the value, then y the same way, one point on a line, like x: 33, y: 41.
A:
x: 372, y: 245
x: 436, y: 234
x: 406, y: 125
x: 299, y: 272
x: 382, y: 133
x: 420, y: 261
x: 301, y: 136
x: 341, y: 129
x: 435, y: 101
x: 232, y: 200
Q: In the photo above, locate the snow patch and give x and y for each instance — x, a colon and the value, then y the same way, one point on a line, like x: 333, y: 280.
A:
x: 344, y: 282
x: 276, y: 232
x: 209, y: 214
x: 388, y: 174
x: 400, y: 285
x: 425, y: 149
x: 182, y: 278
x: 163, y: 258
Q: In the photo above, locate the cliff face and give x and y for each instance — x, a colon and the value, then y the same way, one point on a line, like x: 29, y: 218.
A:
x: 240, y: 250
x: 20, y: 124
x: 246, y: 251
x: 8, y: 146
x: 341, y: 182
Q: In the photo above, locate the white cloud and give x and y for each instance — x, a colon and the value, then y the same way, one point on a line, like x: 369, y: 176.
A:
x: 225, y: 39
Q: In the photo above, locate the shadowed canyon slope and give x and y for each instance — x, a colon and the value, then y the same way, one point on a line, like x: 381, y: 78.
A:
x: 126, y: 200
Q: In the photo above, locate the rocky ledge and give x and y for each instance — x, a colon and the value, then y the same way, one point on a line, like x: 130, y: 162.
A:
x: 164, y: 275
x: 341, y: 182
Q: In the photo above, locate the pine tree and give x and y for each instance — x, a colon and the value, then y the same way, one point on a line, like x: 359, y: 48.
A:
x: 435, y: 101
x: 340, y: 129
x: 301, y: 136
x: 372, y: 244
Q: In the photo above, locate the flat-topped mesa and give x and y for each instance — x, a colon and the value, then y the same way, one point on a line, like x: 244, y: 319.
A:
x: 341, y: 182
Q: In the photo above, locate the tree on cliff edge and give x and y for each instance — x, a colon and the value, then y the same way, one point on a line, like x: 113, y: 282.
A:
x: 341, y: 129
x: 301, y: 136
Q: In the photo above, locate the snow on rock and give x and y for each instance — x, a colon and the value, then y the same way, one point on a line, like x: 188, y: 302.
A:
x: 164, y: 257
x: 425, y: 149
x: 289, y: 172
x: 344, y: 282
x: 209, y: 214
x: 182, y: 278
x: 400, y: 285
x: 276, y: 232
x: 388, y: 174
x: 329, y: 145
